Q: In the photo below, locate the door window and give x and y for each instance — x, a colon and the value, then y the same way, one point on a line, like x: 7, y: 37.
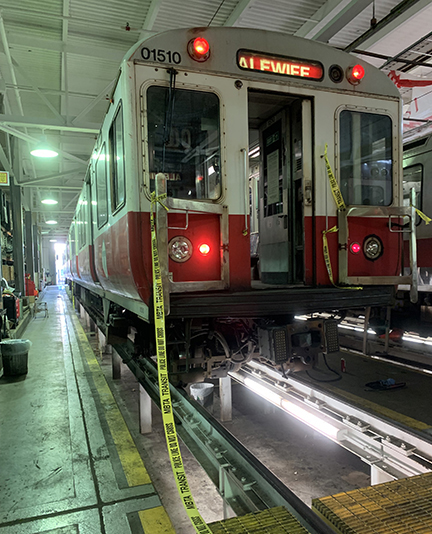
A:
x: 184, y: 141
x: 366, y: 158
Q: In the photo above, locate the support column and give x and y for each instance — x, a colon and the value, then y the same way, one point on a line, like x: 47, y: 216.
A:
x: 29, y: 249
x: 378, y: 476
x: 116, y: 365
x: 225, y: 394
x: 18, y: 238
x: 145, y: 411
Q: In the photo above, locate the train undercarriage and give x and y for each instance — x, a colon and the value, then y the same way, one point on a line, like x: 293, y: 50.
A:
x: 203, y: 341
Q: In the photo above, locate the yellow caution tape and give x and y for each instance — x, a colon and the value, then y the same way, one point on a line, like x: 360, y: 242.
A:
x: 337, y: 195
x: 327, y: 258
x: 164, y: 387
x: 426, y: 219
x: 340, y: 203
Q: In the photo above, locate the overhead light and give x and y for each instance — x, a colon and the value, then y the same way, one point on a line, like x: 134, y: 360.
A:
x: 53, y: 240
x: 51, y: 222
x: 43, y: 150
x: 50, y: 201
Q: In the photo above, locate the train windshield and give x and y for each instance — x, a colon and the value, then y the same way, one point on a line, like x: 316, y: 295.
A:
x: 184, y: 141
x: 366, y: 158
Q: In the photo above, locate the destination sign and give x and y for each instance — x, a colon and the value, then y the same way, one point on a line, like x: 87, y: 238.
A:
x: 285, y: 66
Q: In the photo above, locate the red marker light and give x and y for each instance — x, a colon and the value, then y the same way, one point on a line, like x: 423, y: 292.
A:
x: 199, y: 49
x: 355, y: 74
x: 355, y: 248
x: 204, y: 249
x: 201, y: 46
x: 358, y: 72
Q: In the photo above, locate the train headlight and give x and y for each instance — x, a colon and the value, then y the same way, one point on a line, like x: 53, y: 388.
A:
x: 372, y: 247
x: 180, y: 249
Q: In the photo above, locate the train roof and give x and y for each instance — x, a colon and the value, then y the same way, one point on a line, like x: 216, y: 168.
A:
x: 225, y: 42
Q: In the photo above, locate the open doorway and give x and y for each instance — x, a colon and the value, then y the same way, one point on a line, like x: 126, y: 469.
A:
x: 276, y: 187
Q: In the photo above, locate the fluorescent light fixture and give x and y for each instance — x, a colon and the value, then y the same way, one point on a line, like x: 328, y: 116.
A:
x: 310, y: 419
x: 53, y: 240
x: 262, y: 391
x: 51, y: 222
x: 43, y: 150
x: 49, y: 201
x: 254, y: 151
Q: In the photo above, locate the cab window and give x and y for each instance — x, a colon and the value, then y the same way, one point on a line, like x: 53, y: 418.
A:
x: 184, y: 141
x: 366, y: 158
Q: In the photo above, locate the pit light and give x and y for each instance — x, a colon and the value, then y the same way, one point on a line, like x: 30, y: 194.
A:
x: 372, y: 247
x: 355, y: 248
x: 180, y: 249
x: 355, y: 74
x: 199, y: 49
x: 204, y: 249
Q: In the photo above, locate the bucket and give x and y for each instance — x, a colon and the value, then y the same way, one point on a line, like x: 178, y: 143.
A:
x: 15, y: 356
x: 203, y: 393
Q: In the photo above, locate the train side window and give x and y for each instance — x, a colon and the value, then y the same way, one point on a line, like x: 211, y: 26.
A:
x: 82, y: 223
x: 117, y: 161
x: 366, y: 158
x: 413, y: 179
x: 184, y: 141
x: 101, y: 188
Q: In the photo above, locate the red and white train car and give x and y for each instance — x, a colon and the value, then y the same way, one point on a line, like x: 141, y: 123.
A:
x: 193, y: 111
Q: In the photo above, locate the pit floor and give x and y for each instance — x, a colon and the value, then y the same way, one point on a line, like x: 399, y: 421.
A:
x: 63, y: 470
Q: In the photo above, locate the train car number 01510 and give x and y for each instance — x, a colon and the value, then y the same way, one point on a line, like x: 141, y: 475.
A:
x: 161, y: 56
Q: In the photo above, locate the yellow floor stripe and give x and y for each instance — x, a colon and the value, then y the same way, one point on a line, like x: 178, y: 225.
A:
x: 377, y: 408
x: 156, y: 520
x: 132, y: 463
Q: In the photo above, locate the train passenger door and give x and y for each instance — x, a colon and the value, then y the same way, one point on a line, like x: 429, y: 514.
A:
x: 281, y: 213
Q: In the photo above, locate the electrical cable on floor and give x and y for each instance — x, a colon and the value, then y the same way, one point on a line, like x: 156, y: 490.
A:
x: 339, y: 376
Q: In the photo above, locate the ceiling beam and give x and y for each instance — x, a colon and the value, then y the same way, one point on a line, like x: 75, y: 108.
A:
x: 37, y: 91
x: 21, y: 40
x: 397, y: 16
x: 238, y: 11
x: 29, y: 139
x: 150, y: 19
x: 93, y: 103
x: 332, y: 17
x: 51, y: 177
x: 46, y: 124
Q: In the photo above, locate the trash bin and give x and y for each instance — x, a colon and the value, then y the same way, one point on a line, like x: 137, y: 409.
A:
x: 15, y: 356
x: 203, y: 393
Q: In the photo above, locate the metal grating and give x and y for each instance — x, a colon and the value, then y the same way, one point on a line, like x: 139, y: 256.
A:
x: 400, y: 506
x: 273, y: 521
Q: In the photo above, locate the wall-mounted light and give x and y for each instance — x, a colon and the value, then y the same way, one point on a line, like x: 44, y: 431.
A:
x: 43, y: 150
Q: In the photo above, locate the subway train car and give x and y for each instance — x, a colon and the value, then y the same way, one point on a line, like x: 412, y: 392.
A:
x: 417, y: 171
x: 280, y: 159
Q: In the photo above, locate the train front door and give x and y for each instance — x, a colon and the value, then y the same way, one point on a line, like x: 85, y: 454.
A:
x: 282, y: 194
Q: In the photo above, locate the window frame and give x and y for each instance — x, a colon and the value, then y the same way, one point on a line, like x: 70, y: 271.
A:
x: 112, y: 166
